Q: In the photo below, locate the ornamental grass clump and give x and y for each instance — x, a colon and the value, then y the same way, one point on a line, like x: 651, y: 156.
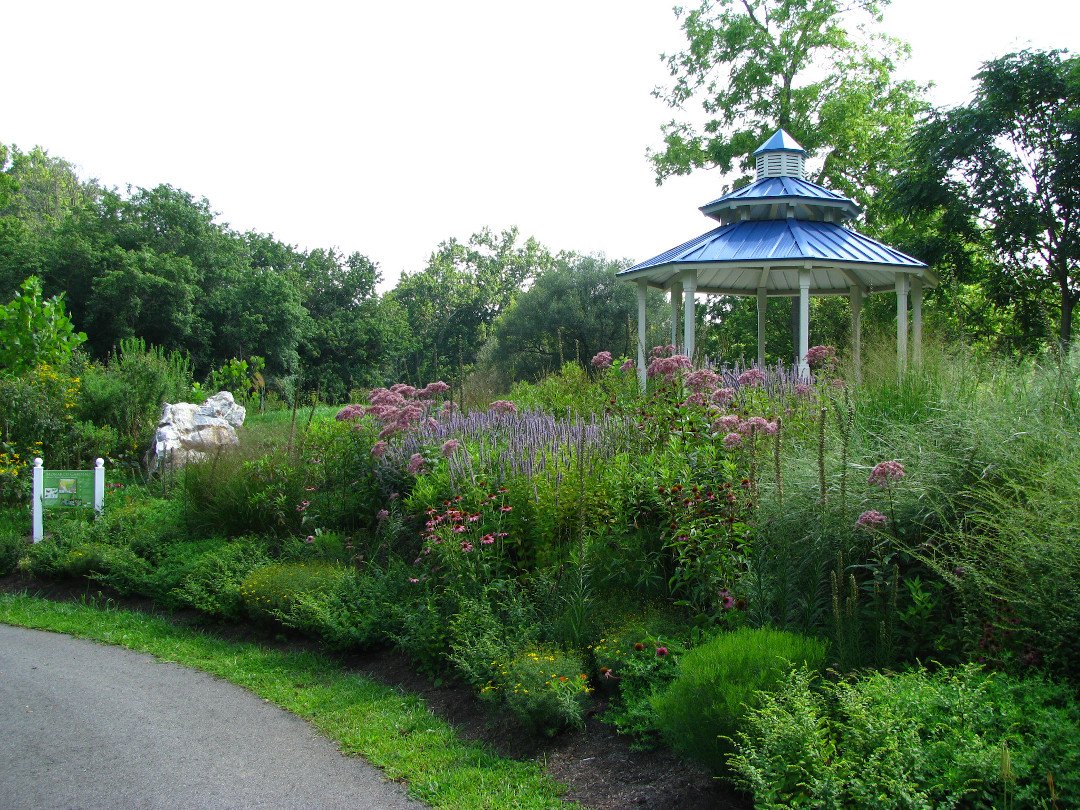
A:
x: 544, y: 687
x: 270, y: 593
x: 719, y: 681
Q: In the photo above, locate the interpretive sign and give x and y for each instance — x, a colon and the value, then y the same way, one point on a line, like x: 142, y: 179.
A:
x: 65, y: 489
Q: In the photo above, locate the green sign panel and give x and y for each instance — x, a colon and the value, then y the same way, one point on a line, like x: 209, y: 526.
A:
x: 67, y: 488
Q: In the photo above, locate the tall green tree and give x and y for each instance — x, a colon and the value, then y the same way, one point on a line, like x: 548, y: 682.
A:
x: 572, y: 311
x: 453, y: 303
x: 356, y: 337
x: 1008, y: 165
x: 755, y: 65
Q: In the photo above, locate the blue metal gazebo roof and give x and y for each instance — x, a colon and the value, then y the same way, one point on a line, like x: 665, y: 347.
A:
x: 730, y: 259
x: 774, y: 227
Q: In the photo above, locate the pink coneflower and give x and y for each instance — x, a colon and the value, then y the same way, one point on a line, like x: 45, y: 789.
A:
x: 506, y: 508
x: 310, y: 539
x: 487, y: 539
x: 414, y: 579
x: 449, y: 447
x: 602, y: 360
x: 871, y: 519
x: 885, y: 473
x: 661, y: 652
x: 466, y: 545
x: 303, y: 505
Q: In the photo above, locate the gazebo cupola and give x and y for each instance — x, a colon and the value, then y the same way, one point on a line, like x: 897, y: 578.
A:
x: 782, y: 236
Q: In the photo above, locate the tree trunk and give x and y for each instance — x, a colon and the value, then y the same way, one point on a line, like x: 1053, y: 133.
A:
x: 1068, y: 302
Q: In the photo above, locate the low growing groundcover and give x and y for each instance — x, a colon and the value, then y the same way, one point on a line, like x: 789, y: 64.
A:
x: 391, y: 730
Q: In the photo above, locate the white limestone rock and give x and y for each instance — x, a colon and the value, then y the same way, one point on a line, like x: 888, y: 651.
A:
x: 187, y: 431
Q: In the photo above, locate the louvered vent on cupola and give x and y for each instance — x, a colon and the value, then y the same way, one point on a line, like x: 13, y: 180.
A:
x: 781, y: 164
x: 781, y: 156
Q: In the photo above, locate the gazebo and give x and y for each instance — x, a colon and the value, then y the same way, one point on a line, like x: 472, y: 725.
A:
x: 783, y: 236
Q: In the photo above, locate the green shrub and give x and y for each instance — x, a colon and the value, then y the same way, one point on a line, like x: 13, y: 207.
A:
x: 489, y: 629
x: 226, y: 494
x: 270, y: 592
x: 12, y: 548
x: 127, y: 393
x: 37, y: 417
x: 357, y: 611
x: 544, y: 687
x: 914, y: 740
x: 79, y: 547
x: 212, y: 583
x: 641, y: 661
x: 718, y: 681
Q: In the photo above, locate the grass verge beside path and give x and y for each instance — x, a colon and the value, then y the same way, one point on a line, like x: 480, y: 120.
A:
x: 390, y: 730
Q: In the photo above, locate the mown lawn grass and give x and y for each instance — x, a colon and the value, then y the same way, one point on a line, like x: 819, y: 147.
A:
x: 389, y: 729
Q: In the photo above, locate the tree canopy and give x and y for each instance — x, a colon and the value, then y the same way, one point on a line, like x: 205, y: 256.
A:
x: 1007, y: 167
x: 573, y: 310
x: 755, y: 65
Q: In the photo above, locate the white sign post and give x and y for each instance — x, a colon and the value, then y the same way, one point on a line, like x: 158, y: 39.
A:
x: 54, y: 489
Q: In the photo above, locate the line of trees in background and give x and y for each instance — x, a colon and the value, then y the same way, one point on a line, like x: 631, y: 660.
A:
x: 987, y: 194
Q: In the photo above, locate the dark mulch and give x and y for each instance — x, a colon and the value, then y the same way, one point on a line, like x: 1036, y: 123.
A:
x: 599, y: 767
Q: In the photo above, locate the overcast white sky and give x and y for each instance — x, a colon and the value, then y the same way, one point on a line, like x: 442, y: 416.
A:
x: 389, y: 127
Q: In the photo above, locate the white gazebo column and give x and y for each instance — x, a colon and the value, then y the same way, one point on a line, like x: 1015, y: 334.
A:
x: 901, y: 319
x: 762, y: 304
x: 804, y: 322
x: 689, y: 284
x: 642, y: 295
x: 676, y: 306
x: 856, y: 298
x: 916, y: 320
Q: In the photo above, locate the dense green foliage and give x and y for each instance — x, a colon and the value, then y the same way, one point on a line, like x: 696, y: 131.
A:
x: 1005, y: 168
x: 718, y: 682
x: 918, y: 739
x: 650, y: 542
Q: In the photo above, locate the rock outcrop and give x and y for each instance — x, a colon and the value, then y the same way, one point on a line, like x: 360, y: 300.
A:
x: 187, y: 431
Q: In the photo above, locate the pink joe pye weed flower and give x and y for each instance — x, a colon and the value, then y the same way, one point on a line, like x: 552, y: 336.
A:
x: 886, y: 473
x: 871, y: 519
x: 752, y: 377
x: 416, y: 464
x: 449, y: 447
x: 602, y: 360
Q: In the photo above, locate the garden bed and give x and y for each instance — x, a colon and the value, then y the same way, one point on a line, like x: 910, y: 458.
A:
x: 599, y: 767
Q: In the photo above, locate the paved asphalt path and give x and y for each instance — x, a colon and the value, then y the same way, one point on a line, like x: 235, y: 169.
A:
x: 87, y: 726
